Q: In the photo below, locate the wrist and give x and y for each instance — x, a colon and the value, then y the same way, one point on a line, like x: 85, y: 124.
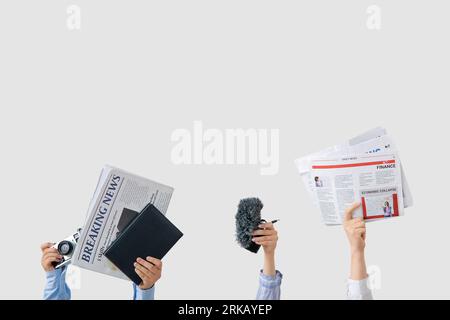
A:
x: 269, y: 264
x: 48, y: 268
x: 358, y: 266
x: 147, y: 287
x: 357, y: 252
x: 53, y: 272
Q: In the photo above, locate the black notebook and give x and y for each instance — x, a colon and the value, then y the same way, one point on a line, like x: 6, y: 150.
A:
x: 149, y: 234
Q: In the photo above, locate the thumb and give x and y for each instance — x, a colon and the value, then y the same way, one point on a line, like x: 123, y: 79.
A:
x: 349, y: 211
x: 46, y: 245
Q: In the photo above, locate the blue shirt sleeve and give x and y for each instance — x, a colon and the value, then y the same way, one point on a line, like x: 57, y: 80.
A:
x: 55, y: 285
x: 140, y: 294
x: 269, y: 286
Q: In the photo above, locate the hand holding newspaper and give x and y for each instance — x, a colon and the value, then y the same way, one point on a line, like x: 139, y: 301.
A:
x: 118, y: 198
x: 366, y: 169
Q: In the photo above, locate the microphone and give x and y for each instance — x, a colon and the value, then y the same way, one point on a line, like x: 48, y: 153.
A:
x: 248, y: 217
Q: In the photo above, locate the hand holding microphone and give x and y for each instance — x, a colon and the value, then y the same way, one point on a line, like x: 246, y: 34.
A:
x: 252, y: 232
x: 266, y: 236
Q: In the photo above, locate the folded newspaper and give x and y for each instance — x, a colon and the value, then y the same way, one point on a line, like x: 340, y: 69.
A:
x: 118, y: 198
x: 365, y: 169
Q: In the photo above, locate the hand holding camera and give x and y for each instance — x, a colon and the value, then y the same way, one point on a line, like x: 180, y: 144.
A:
x: 57, y: 255
x: 50, y: 256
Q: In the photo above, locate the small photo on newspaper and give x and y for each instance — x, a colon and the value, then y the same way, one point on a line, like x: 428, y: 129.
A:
x: 374, y: 180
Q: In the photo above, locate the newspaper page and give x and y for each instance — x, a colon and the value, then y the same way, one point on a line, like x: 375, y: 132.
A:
x: 379, y: 145
x: 374, y: 180
x: 370, y: 142
x: 117, y: 200
x: 304, y: 163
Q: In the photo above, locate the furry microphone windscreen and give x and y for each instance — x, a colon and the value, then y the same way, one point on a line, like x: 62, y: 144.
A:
x: 248, y: 217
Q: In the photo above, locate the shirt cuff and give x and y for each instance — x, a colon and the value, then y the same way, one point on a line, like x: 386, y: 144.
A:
x: 147, y: 294
x: 359, y: 289
x: 53, y: 277
x: 267, y: 281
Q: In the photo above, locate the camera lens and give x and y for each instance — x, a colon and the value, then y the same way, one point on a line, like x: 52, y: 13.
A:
x: 65, y: 247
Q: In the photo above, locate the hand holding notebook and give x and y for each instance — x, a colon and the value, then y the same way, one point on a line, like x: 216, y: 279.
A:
x: 150, y: 234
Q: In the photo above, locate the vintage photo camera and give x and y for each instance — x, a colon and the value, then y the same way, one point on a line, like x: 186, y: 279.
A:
x: 66, y: 248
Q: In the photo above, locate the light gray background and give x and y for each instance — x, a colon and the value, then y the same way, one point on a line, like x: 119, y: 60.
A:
x: 114, y: 91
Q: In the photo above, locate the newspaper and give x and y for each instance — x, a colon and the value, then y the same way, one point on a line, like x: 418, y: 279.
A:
x: 374, y: 180
x: 372, y: 142
x: 118, y: 198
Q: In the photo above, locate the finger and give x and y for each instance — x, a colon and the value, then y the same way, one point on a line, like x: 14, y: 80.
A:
x: 271, y: 239
x: 140, y: 274
x: 148, y: 265
x: 145, y: 263
x: 46, y: 245
x: 143, y: 269
x: 156, y: 262
x: 359, y: 224
x: 52, y: 255
x: 360, y: 231
x: 263, y: 232
x: 349, y: 211
x: 358, y: 219
x: 51, y: 260
x: 265, y: 243
x: 267, y: 226
x: 263, y: 238
x: 50, y: 250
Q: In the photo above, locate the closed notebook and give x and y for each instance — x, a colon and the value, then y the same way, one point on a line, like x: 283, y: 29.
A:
x: 149, y: 234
